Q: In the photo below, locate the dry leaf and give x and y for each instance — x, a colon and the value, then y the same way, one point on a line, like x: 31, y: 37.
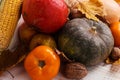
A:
x: 90, y: 8
x: 115, y: 64
x: 108, y: 61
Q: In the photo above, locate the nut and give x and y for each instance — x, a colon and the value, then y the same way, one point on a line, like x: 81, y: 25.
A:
x: 74, y: 70
x: 115, y: 54
x: 74, y: 13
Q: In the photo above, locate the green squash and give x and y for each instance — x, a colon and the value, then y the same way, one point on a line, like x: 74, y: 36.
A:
x: 86, y: 41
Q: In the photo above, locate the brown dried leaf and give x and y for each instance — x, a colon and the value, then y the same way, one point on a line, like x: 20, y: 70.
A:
x: 90, y: 8
x: 116, y: 66
x: 117, y: 62
x: 108, y: 61
x: 111, y: 61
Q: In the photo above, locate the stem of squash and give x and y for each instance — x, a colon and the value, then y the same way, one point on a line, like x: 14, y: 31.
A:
x: 93, y: 28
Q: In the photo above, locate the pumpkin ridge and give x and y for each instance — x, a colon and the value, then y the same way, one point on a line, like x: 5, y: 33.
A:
x: 106, y: 44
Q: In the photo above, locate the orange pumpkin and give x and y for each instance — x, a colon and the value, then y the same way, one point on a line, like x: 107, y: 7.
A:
x: 42, y: 63
x: 118, y: 1
x: 115, y: 29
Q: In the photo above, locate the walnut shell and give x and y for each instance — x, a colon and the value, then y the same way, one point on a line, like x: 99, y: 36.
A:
x: 74, y: 70
x: 115, y: 54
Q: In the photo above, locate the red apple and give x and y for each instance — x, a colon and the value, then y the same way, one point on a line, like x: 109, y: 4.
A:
x: 47, y: 15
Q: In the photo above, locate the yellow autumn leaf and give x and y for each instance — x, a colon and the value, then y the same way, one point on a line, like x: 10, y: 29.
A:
x: 90, y: 8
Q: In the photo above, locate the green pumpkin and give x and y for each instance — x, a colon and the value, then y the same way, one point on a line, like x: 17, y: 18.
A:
x: 86, y: 41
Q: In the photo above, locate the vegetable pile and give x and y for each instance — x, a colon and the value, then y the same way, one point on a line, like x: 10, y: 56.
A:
x: 67, y: 36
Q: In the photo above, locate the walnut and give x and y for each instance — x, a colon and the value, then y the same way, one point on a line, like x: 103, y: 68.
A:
x: 74, y: 70
x: 74, y: 13
x: 115, y: 54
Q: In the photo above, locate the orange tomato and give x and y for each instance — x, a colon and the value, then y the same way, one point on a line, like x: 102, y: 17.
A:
x: 115, y: 29
x: 42, y: 63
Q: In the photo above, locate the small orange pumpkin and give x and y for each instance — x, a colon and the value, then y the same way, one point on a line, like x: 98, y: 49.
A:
x: 115, y: 29
x: 42, y: 63
x: 118, y: 1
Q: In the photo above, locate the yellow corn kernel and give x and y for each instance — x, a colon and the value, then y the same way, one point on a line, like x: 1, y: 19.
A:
x: 9, y: 16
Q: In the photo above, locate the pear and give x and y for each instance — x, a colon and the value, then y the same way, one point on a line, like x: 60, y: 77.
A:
x: 42, y: 39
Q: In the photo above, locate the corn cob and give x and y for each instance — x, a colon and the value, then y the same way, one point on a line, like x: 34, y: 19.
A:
x: 9, y: 16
